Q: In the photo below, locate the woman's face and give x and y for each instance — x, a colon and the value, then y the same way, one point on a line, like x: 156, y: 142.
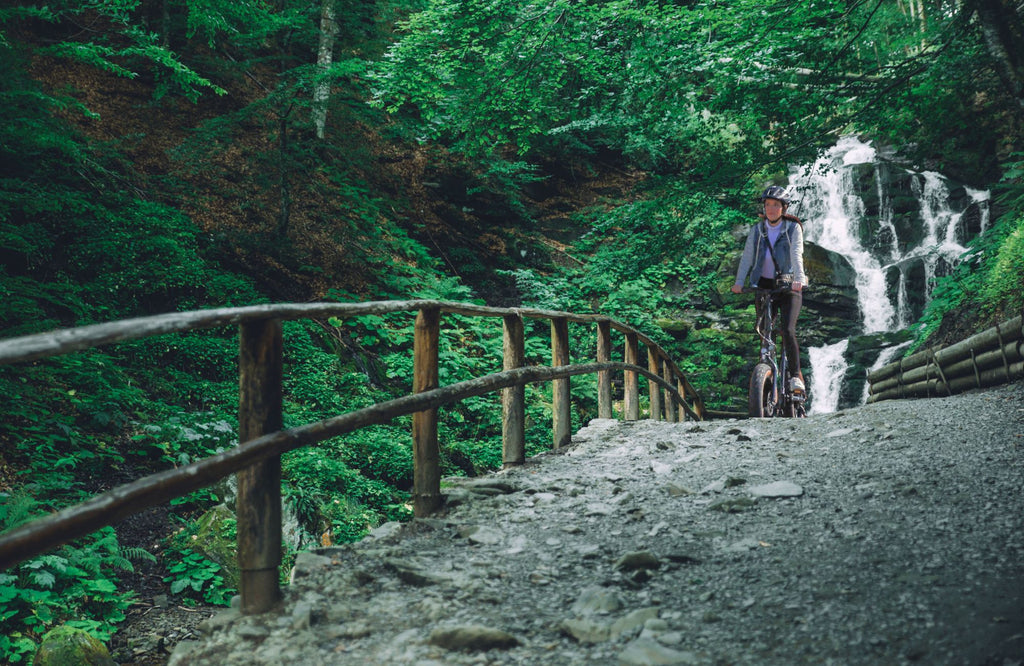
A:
x: 773, y: 209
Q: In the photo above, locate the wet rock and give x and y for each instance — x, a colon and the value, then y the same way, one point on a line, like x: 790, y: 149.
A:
x: 648, y: 652
x: 213, y: 542
x: 414, y: 574
x: 642, y: 559
x: 776, y: 489
x: 732, y: 505
x: 633, y: 621
x: 597, y: 600
x: 481, y: 534
x: 586, y: 630
x: 471, y: 637
x: 388, y: 530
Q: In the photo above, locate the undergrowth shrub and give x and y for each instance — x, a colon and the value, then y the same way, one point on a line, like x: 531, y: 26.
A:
x: 1003, y: 290
x: 345, y: 502
x: 76, y: 584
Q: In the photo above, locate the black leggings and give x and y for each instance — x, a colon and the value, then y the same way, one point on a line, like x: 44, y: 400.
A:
x: 789, y: 303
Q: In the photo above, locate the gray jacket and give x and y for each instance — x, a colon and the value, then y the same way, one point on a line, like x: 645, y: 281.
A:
x: 789, y: 252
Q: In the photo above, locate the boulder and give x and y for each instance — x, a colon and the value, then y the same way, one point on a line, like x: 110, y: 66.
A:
x: 215, y: 542
x: 830, y: 301
x: 66, y: 645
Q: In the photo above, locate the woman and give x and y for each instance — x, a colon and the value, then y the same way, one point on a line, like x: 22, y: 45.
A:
x: 775, y: 252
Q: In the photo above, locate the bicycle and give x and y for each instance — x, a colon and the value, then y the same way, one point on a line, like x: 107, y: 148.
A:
x: 769, y: 394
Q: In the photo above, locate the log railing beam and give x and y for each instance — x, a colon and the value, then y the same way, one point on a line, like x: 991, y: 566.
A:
x: 257, y: 458
x: 671, y: 411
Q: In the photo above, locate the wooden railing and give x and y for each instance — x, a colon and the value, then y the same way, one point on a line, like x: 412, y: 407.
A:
x: 993, y: 356
x: 257, y: 458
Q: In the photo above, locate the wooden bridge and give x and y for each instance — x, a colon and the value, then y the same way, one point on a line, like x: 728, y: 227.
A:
x: 257, y: 458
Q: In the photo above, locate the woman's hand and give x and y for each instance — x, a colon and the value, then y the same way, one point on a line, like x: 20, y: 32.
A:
x: 737, y: 289
x: 797, y: 286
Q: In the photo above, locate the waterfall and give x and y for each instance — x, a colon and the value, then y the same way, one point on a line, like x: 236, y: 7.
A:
x: 829, y: 368
x: 899, y: 229
x: 884, y: 357
x: 829, y: 203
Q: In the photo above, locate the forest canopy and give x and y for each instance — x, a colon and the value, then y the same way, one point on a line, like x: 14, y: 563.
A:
x: 711, y: 92
x: 169, y: 155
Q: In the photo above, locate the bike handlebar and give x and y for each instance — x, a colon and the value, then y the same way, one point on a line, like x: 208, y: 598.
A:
x: 776, y: 290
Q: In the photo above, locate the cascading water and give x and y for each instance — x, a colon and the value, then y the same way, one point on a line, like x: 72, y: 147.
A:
x: 829, y: 203
x: 829, y: 367
x: 887, y: 354
x: 898, y: 229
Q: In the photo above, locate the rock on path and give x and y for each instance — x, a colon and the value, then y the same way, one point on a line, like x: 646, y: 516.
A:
x: 887, y: 534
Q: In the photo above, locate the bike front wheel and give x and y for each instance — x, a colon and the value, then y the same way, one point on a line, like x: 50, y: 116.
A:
x: 795, y: 410
x: 762, y: 391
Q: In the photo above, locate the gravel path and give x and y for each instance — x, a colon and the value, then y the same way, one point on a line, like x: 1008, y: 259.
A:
x: 887, y: 534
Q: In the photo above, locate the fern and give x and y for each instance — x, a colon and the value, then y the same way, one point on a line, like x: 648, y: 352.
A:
x: 137, y: 554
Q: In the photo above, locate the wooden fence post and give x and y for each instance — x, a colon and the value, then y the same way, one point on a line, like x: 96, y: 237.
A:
x: 426, y: 491
x: 513, y: 398
x: 258, y: 505
x: 654, y: 365
x: 630, y: 380
x: 561, y: 405
x: 670, y: 403
x: 682, y: 391
x: 604, y: 377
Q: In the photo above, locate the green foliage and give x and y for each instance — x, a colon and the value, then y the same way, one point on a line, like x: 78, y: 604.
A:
x: 76, y: 584
x: 123, y: 49
x: 1003, y: 289
x: 350, y: 503
x: 987, y: 282
x: 197, y: 577
x: 1009, y: 191
x: 691, y: 88
x: 192, y: 574
x: 718, y: 362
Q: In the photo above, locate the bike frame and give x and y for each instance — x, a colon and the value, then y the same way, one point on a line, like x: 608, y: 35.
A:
x: 781, y: 400
x: 766, y: 330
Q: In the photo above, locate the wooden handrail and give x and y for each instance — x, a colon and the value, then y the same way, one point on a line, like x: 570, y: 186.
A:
x: 256, y: 459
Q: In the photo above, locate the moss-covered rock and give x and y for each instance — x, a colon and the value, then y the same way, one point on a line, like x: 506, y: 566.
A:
x: 216, y: 539
x: 69, y: 646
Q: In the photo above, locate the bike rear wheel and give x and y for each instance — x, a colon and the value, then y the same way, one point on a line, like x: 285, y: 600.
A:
x: 762, y: 392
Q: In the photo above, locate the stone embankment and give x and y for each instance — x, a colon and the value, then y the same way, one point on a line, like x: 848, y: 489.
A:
x: 886, y: 534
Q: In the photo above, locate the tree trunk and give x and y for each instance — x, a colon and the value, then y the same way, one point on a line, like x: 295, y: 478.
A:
x: 1003, y: 31
x: 324, y: 57
x: 285, y: 213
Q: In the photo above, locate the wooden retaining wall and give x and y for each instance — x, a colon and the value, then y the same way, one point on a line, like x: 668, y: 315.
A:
x: 991, y: 357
